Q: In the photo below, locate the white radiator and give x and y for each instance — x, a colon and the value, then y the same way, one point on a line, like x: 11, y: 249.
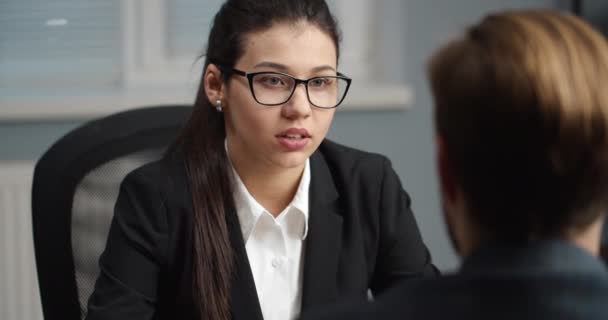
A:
x: 19, y: 294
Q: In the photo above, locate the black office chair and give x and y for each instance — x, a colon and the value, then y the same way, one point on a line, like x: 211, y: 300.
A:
x: 74, y: 190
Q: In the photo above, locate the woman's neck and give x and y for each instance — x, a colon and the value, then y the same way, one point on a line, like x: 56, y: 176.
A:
x: 271, y: 186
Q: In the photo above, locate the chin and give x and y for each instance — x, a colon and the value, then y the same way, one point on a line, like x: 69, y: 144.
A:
x: 291, y: 160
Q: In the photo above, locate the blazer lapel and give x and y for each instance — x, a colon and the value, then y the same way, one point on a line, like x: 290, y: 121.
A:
x: 323, y: 241
x: 243, y: 295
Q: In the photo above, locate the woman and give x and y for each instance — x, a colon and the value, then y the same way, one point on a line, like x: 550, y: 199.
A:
x: 252, y: 213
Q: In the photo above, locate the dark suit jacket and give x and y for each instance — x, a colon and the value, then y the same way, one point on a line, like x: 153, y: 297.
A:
x: 362, y: 235
x: 547, y: 280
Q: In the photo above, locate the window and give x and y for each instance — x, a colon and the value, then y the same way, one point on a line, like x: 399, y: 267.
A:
x: 362, y: 54
x: 84, y: 58
x: 46, y: 48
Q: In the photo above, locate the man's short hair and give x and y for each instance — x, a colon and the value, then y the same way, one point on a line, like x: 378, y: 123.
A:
x: 521, y: 103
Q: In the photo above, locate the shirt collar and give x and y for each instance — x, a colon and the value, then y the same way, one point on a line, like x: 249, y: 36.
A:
x: 249, y: 210
x: 541, y: 257
x: 301, y: 198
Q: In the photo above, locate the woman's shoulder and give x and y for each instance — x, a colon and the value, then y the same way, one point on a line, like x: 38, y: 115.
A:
x: 164, y: 176
x: 349, y: 166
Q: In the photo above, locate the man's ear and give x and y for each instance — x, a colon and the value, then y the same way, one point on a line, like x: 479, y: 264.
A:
x: 451, y: 201
x: 214, y: 85
x: 447, y: 179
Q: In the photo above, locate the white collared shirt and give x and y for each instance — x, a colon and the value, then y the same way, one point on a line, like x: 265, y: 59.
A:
x: 275, y: 248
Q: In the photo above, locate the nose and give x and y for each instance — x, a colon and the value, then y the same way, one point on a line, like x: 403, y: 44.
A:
x: 298, y: 106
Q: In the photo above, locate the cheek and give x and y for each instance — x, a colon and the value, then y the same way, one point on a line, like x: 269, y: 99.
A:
x: 324, y: 120
x: 243, y: 113
x: 251, y: 122
x: 258, y: 120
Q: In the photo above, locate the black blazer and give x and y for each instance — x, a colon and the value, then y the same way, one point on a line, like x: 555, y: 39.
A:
x: 362, y: 235
x: 546, y: 280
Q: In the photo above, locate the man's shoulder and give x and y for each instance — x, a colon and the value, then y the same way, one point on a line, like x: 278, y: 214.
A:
x: 474, y: 297
x: 457, y: 296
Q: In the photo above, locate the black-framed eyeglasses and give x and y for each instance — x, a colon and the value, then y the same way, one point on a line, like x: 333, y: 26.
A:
x: 271, y: 88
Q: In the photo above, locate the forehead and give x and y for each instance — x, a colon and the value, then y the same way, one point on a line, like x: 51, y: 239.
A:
x: 300, y: 47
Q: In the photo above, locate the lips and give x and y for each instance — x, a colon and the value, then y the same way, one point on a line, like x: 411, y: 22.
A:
x: 294, y: 139
x: 294, y: 133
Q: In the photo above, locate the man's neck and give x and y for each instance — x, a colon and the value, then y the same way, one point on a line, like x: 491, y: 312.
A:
x: 588, y: 238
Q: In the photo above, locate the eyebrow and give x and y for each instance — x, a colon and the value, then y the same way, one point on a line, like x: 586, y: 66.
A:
x: 284, y: 68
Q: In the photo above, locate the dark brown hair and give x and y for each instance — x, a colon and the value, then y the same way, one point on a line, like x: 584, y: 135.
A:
x: 522, y: 107
x: 202, y: 142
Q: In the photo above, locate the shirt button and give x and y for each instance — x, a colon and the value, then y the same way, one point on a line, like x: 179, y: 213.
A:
x: 276, y: 262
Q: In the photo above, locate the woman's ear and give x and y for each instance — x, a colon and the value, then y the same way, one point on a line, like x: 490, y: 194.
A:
x: 214, y: 85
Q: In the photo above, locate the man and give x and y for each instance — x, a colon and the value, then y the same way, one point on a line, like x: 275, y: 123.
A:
x: 521, y: 112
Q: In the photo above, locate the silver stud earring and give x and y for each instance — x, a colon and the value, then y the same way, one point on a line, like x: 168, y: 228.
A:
x: 218, y: 105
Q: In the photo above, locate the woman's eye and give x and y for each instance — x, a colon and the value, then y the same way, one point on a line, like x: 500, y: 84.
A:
x: 321, y: 82
x: 272, y: 81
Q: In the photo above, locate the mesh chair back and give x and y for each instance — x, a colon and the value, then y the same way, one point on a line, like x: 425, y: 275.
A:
x: 92, y: 210
x: 76, y: 184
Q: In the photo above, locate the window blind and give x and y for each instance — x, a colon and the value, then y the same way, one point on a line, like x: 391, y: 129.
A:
x: 188, y: 25
x: 50, y: 45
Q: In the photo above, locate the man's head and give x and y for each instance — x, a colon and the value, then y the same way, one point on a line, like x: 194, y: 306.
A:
x: 521, y: 111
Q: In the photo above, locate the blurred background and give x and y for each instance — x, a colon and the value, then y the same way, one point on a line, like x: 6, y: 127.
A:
x: 64, y: 62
